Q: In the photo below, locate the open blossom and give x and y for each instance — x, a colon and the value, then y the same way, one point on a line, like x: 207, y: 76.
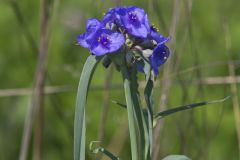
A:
x: 133, y: 19
x: 106, y: 41
x: 85, y: 39
x: 136, y: 22
x: 98, y: 40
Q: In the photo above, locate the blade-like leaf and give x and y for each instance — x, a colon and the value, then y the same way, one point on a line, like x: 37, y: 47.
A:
x: 148, y: 126
x: 176, y: 157
x: 186, y: 107
x: 149, y: 118
x: 120, y: 104
x: 148, y: 95
x: 79, y: 121
x: 178, y: 109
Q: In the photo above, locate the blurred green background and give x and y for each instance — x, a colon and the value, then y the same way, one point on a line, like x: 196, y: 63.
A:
x: 205, y: 46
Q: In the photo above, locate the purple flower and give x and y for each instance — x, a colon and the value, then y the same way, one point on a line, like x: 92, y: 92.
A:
x: 99, y: 40
x: 159, y: 57
x: 85, y: 39
x: 157, y: 36
x: 106, y: 41
x: 114, y: 16
x: 108, y: 35
x: 135, y: 21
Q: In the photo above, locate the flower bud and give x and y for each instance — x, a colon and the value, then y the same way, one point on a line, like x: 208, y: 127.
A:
x: 147, y: 53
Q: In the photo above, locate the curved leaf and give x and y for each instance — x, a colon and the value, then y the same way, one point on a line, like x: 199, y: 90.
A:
x: 149, y: 116
x: 79, y: 121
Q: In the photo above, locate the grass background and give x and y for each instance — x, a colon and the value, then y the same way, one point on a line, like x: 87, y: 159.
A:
x: 205, y: 41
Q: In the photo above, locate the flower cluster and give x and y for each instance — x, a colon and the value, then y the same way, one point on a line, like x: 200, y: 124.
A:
x: 128, y: 28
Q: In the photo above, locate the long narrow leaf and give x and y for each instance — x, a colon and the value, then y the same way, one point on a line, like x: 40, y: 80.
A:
x: 186, y: 107
x: 79, y: 121
x: 148, y: 92
x: 148, y: 98
x: 120, y: 104
x: 148, y: 95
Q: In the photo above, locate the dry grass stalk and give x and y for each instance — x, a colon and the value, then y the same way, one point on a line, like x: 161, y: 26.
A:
x: 36, y: 108
x: 166, y: 83
x: 233, y: 86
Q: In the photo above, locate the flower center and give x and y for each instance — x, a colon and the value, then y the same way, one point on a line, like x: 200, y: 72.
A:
x: 104, y: 40
x: 154, y: 28
x: 132, y: 16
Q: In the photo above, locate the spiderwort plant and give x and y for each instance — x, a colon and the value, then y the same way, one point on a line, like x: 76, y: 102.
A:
x: 126, y: 38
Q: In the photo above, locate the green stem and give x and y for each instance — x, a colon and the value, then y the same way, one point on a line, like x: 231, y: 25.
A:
x: 141, y: 121
x: 132, y: 119
x: 137, y: 124
x: 131, y: 114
